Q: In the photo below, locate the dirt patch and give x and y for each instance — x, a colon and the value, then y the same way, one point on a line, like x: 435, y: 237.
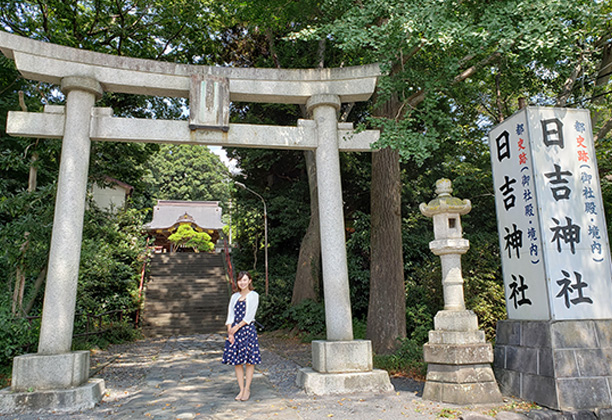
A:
x: 288, y: 345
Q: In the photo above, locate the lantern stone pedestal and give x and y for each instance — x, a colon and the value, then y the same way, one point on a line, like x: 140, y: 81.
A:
x: 458, y: 357
x: 459, y: 361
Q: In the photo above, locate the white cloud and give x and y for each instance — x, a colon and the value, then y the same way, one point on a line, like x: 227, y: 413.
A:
x: 231, y: 164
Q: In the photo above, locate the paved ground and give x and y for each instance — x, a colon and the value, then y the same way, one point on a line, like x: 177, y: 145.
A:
x: 182, y: 378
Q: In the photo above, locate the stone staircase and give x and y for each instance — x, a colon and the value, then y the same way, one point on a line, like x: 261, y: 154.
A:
x: 186, y: 294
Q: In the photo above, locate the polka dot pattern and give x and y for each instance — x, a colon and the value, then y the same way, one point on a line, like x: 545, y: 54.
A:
x: 245, y: 349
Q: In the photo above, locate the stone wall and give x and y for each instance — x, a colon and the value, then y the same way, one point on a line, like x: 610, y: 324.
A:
x: 564, y: 365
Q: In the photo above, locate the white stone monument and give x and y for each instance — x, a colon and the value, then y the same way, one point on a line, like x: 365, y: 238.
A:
x: 458, y: 357
x: 556, y: 345
x: 59, y: 377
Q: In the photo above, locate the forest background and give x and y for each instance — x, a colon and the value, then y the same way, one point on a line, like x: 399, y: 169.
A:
x: 453, y: 69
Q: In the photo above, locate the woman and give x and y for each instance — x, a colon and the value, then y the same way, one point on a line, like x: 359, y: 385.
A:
x: 242, y: 347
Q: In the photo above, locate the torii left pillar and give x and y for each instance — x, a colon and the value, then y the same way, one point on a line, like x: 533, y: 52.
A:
x: 56, y: 376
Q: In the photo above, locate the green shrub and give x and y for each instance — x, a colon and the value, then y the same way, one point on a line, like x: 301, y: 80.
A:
x: 309, y: 317
x: 271, y: 311
x: 119, y: 332
x: 17, y: 335
x: 407, y: 360
x: 359, y: 329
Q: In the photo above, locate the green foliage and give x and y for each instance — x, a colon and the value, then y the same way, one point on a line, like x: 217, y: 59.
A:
x: 408, y: 359
x: 484, y: 290
x: 308, y: 316
x: 187, y: 172
x: 17, y: 335
x: 112, y: 257
x: 358, y: 257
x: 272, y: 308
x: 117, y: 332
x: 359, y: 329
x: 186, y: 236
x: 25, y: 233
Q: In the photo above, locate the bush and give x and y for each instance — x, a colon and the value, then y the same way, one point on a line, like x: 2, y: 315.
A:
x: 17, y: 335
x: 406, y: 361
x: 359, y: 329
x: 271, y: 311
x: 309, y: 317
x: 120, y: 332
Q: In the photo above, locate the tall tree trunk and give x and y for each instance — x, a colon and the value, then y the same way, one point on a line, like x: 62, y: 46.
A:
x: 34, y: 294
x: 308, y: 274
x: 33, y: 170
x: 601, y: 81
x: 387, y: 306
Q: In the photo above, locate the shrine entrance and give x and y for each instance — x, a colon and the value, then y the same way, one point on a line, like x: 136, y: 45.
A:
x: 340, y: 364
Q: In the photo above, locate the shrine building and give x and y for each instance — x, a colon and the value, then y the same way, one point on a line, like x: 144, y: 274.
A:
x: 168, y: 215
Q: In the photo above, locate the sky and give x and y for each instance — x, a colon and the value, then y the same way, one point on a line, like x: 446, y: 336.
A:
x: 230, y: 163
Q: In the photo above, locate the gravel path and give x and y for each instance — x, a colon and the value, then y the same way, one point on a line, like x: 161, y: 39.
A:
x: 182, y: 378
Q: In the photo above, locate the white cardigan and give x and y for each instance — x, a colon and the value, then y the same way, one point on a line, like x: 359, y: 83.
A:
x: 252, y: 301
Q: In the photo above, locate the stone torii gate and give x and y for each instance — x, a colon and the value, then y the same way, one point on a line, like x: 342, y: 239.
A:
x: 60, y: 377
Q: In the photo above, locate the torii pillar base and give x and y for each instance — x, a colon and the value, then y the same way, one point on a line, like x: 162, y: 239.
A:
x: 342, y: 367
x: 51, y: 382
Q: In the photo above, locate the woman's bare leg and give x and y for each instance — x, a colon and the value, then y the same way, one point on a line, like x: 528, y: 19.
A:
x: 240, y: 378
x: 250, y: 369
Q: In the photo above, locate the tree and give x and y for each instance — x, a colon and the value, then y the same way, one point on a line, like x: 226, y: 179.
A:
x: 444, y: 60
x: 452, y: 69
x: 186, y: 172
x: 186, y: 236
x: 179, y: 32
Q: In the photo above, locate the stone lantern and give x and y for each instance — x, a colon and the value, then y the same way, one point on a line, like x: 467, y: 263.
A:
x: 459, y: 359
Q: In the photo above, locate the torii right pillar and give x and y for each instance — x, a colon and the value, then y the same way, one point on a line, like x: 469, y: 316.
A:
x: 555, y: 347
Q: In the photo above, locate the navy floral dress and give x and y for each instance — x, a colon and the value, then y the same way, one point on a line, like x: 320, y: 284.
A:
x: 245, y: 349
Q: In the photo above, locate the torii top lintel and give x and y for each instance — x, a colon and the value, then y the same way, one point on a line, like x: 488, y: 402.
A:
x: 50, y: 63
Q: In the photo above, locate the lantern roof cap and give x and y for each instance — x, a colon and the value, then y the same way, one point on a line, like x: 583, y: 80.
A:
x: 445, y: 202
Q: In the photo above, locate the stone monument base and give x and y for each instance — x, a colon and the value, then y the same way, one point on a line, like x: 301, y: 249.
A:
x: 50, y: 371
x: 82, y: 397
x: 315, y: 383
x: 563, y: 365
x: 341, y: 356
x: 459, y: 370
x: 51, y: 382
x: 342, y: 367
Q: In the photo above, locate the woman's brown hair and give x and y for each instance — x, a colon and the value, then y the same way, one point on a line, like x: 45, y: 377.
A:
x: 241, y: 275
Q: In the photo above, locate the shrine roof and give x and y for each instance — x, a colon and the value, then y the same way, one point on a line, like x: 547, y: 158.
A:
x: 167, y: 213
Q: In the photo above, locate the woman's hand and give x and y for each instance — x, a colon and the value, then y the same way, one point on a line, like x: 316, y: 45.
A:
x: 230, y: 338
x: 234, y: 329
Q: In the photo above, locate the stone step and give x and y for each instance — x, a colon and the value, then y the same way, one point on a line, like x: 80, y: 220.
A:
x: 183, y: 320
x: 167, y: 332
x: 178, y: 306
x: 165, y: 284
x: 212, y: 259
x: 191, y: 278
x: 176, y: 270
x: 187, y: 293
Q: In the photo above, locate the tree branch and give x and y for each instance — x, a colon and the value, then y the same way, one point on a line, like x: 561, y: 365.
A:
x: 467, y: 73
x: 321, y: 52
x: 419, y: 96
x: 569, y: 84
x: 273, y: 53
x: 603, y: 131
x: 169, y: 40
x: 404, y: 59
